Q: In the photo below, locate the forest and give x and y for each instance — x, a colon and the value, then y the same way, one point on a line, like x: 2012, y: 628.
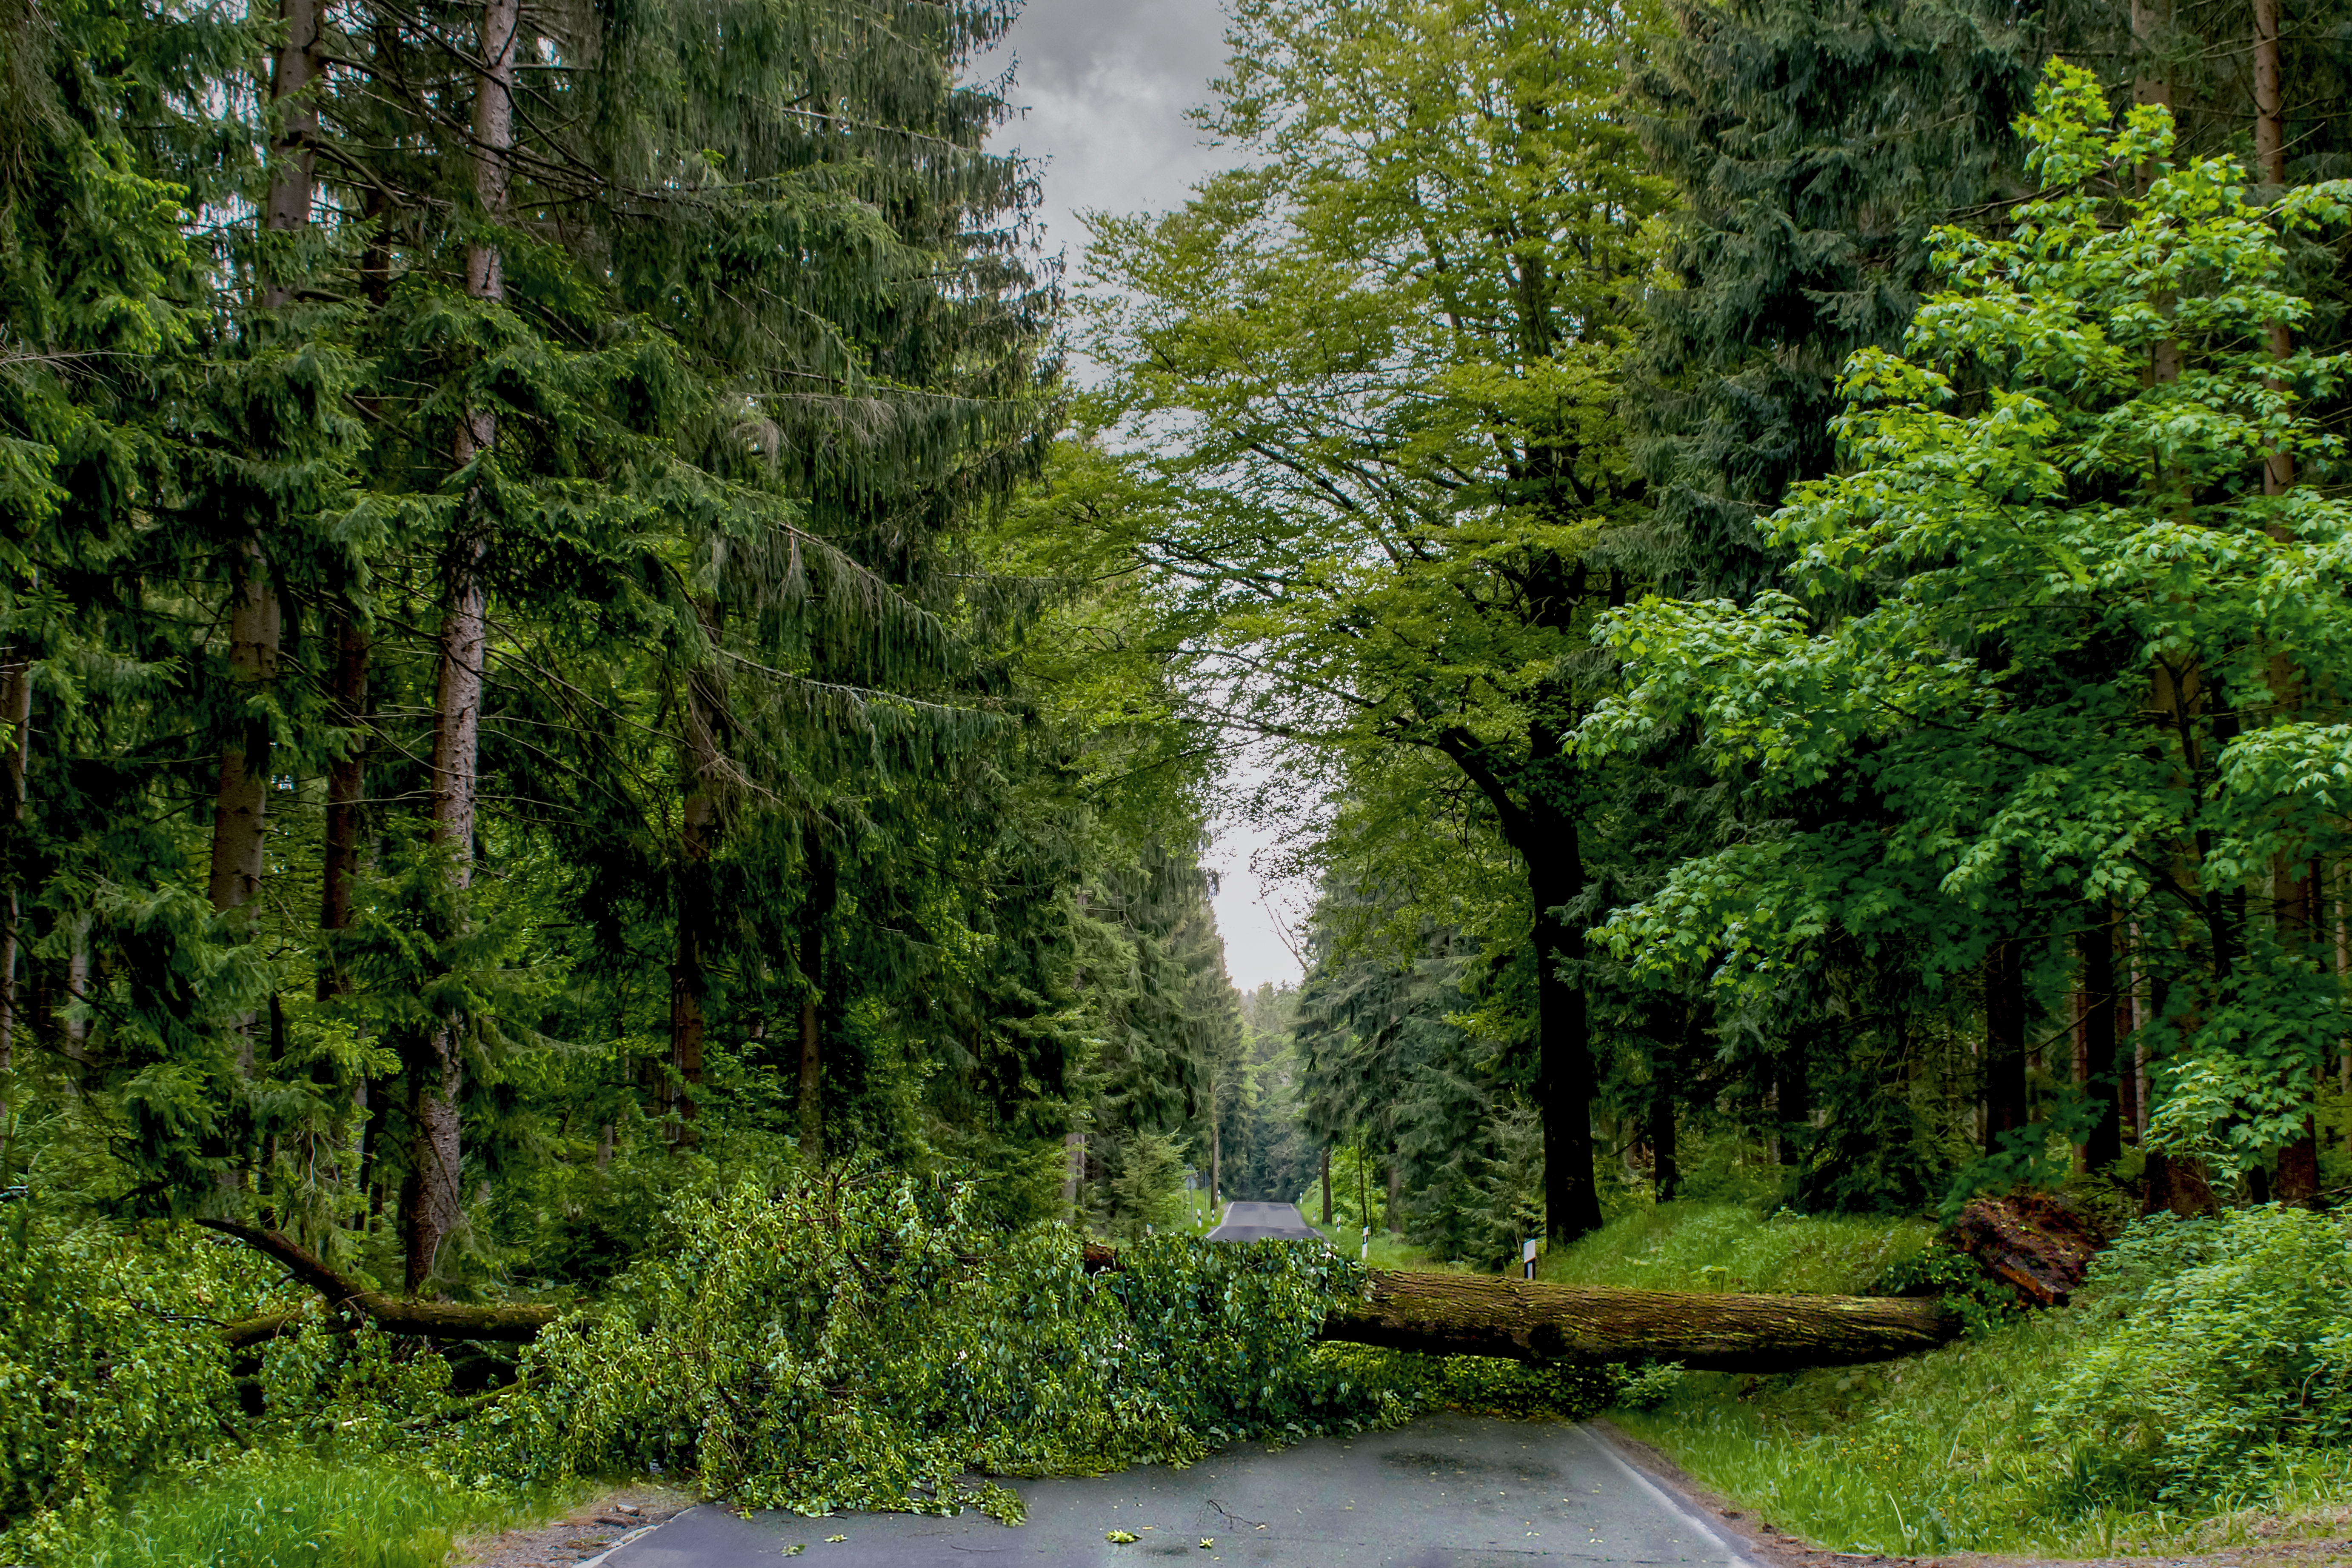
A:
x: 615, y: 689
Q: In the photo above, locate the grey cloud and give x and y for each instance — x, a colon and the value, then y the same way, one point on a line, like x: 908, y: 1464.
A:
x: 1104, y: 87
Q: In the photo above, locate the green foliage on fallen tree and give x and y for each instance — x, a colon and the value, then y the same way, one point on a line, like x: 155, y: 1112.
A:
x: 111, y: 1362
x: 868, y: 1343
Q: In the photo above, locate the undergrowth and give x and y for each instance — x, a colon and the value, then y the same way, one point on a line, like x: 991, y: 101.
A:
x: 2199, y: 1392
x: 871, y: 1343
x: 293, y: 1509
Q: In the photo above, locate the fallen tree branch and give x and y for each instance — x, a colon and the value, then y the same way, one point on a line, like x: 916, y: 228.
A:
x: 1474, y: 1314
x: 393, y: 1314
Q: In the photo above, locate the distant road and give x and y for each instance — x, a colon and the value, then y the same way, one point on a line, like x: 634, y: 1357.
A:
x: 1264, y: 1221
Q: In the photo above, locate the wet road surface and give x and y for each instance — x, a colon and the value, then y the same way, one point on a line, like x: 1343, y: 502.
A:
x: 1448, y: 1491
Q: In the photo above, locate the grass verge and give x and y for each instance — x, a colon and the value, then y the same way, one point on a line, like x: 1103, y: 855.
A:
x: 2187, y: 1403
x: 1690, y: 1246
x: 292, y: 1510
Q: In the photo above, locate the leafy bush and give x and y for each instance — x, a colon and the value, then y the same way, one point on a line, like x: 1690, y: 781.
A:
x: 2232, y: 1340
x: 2207, y: 1365
x: 110, y: 1364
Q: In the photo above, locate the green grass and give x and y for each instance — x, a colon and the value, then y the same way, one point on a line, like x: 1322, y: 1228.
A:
x: 1938, y: 1453
x: 1729, y: 1247
x: 1387, y: 1252
x: 292, y: 1510
x: 1942, y: 1452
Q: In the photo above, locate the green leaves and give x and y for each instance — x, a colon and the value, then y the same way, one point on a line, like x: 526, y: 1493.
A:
x: 2049, y: 640
x: 864, y: 1343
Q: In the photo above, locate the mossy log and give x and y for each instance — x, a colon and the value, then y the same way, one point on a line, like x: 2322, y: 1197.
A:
x: 349, y: 1297
x: 1473, y: 1314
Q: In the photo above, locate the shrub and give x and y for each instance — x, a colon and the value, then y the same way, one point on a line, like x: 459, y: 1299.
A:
x: 2232, y: 1341
x: 109, y: 1363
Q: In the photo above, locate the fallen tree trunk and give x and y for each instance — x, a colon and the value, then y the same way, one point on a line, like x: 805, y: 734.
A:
x: 393, y: 1314
x: 1474, y: 1314
x: 1441, y: 1314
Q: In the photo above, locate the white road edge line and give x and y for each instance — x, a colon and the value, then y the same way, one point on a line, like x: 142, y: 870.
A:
x: 642, y: 1530
x: 1672, y: 1504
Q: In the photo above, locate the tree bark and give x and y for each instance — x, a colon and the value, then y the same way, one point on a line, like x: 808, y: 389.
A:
x: 2004, y: 1071
x: 1666, y: 1169
x: 240, y: 802
x: 1794, y: 1089
x: 2294, y: 892
x: 433, y: 1320
x: 432, y: 1201
x: 1547, y: 840
x: 1327, y: 1184
x: 16, y: 711
x: 2104, y: 1144
x: 346, y: 789
x: 1470, y: 1314
x: 1441, y: 1314
x: 823, y: 887
x: 697, y: 842
x: 1565, y: 1086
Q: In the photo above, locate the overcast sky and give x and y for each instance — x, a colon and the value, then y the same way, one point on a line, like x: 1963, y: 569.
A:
x: 1104, y: 86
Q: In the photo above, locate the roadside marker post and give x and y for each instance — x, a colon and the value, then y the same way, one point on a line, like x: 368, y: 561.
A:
x: 1527, y: 1256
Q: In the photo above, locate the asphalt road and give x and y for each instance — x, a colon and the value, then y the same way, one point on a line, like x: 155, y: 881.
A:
x: 1263, y: 1221
x: 1445, y: 1492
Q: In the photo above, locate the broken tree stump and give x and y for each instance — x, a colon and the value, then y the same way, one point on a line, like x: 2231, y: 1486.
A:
x: 2037, y: 1243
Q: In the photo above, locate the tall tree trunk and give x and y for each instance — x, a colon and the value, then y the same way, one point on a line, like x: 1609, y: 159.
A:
x: 1666, y: 1169
x: 1546, y: 838
x: 1216, y: 1154
x: 824, y: 888
x: 2104, y: 1145
x: 1564, y: 1086
x: 2293, y: 892
x: 1396, y: 1197
x: 240, y: 801
x: 432, y: 1202
x: 698, y: 841
x: 346, y: 792
x: 2295, y: 904
x: 1794, y: 1092
x: 2004, y: 1074
x: 2124, y: 1021
x: 1327, y: 1184
x: 16, y: 711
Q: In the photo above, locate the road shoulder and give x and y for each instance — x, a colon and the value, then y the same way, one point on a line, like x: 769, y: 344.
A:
x: 583, y: 1535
